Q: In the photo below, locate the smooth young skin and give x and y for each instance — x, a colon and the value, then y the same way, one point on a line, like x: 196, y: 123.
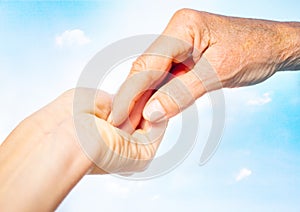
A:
x: 241, y: 51
x: 43, y: 158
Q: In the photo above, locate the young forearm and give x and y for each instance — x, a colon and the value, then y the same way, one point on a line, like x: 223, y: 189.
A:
x: 43, y: 158
x: 41, y: 169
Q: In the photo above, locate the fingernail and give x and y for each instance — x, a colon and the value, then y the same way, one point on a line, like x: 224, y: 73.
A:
x: 154, y: 111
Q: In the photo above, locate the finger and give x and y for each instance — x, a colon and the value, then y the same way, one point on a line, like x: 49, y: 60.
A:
x: 145, y: 125
x: 92, y: 101
x: 115, y: 151
x: 181, y: 92
x: 103, y: 103
x: 147, y: 72
x: 131, y: 123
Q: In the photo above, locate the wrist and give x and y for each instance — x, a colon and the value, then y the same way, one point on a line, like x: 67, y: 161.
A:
x: 290, y: 48
x: 50, y: 164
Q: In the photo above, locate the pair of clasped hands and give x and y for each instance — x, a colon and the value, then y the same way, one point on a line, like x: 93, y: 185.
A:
x: 87, y: 131
x: 197, y: 53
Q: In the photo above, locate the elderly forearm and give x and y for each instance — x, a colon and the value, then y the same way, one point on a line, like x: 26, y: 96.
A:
x: 291, y: 51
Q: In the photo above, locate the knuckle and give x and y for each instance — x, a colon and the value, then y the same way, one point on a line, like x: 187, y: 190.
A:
x: 139, y: 65
x: 67, y: 97
x: 186, y: 23
x: 182, y: 12
x: 69, y: 92
x: 186, y: 13
x: 141, y: 70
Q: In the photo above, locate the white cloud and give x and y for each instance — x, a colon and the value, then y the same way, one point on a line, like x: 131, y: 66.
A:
x: 243, y: 173
x: 75, y: 37
x: 155, y: 197
x: 260, y: 100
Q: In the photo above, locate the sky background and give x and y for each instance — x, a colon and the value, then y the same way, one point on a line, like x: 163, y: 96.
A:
x: 44, y: 46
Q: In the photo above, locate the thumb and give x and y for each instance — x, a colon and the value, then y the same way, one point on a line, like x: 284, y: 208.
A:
x: 147, y: 72
x: 181, y: 92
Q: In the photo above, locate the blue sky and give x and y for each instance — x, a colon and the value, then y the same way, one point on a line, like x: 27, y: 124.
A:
x: 43, y: 49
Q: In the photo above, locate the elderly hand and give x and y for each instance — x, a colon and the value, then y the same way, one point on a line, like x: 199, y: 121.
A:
x: 206, y: 52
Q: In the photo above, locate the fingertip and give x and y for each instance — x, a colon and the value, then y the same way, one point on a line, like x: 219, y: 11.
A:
x: 154, y: 111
